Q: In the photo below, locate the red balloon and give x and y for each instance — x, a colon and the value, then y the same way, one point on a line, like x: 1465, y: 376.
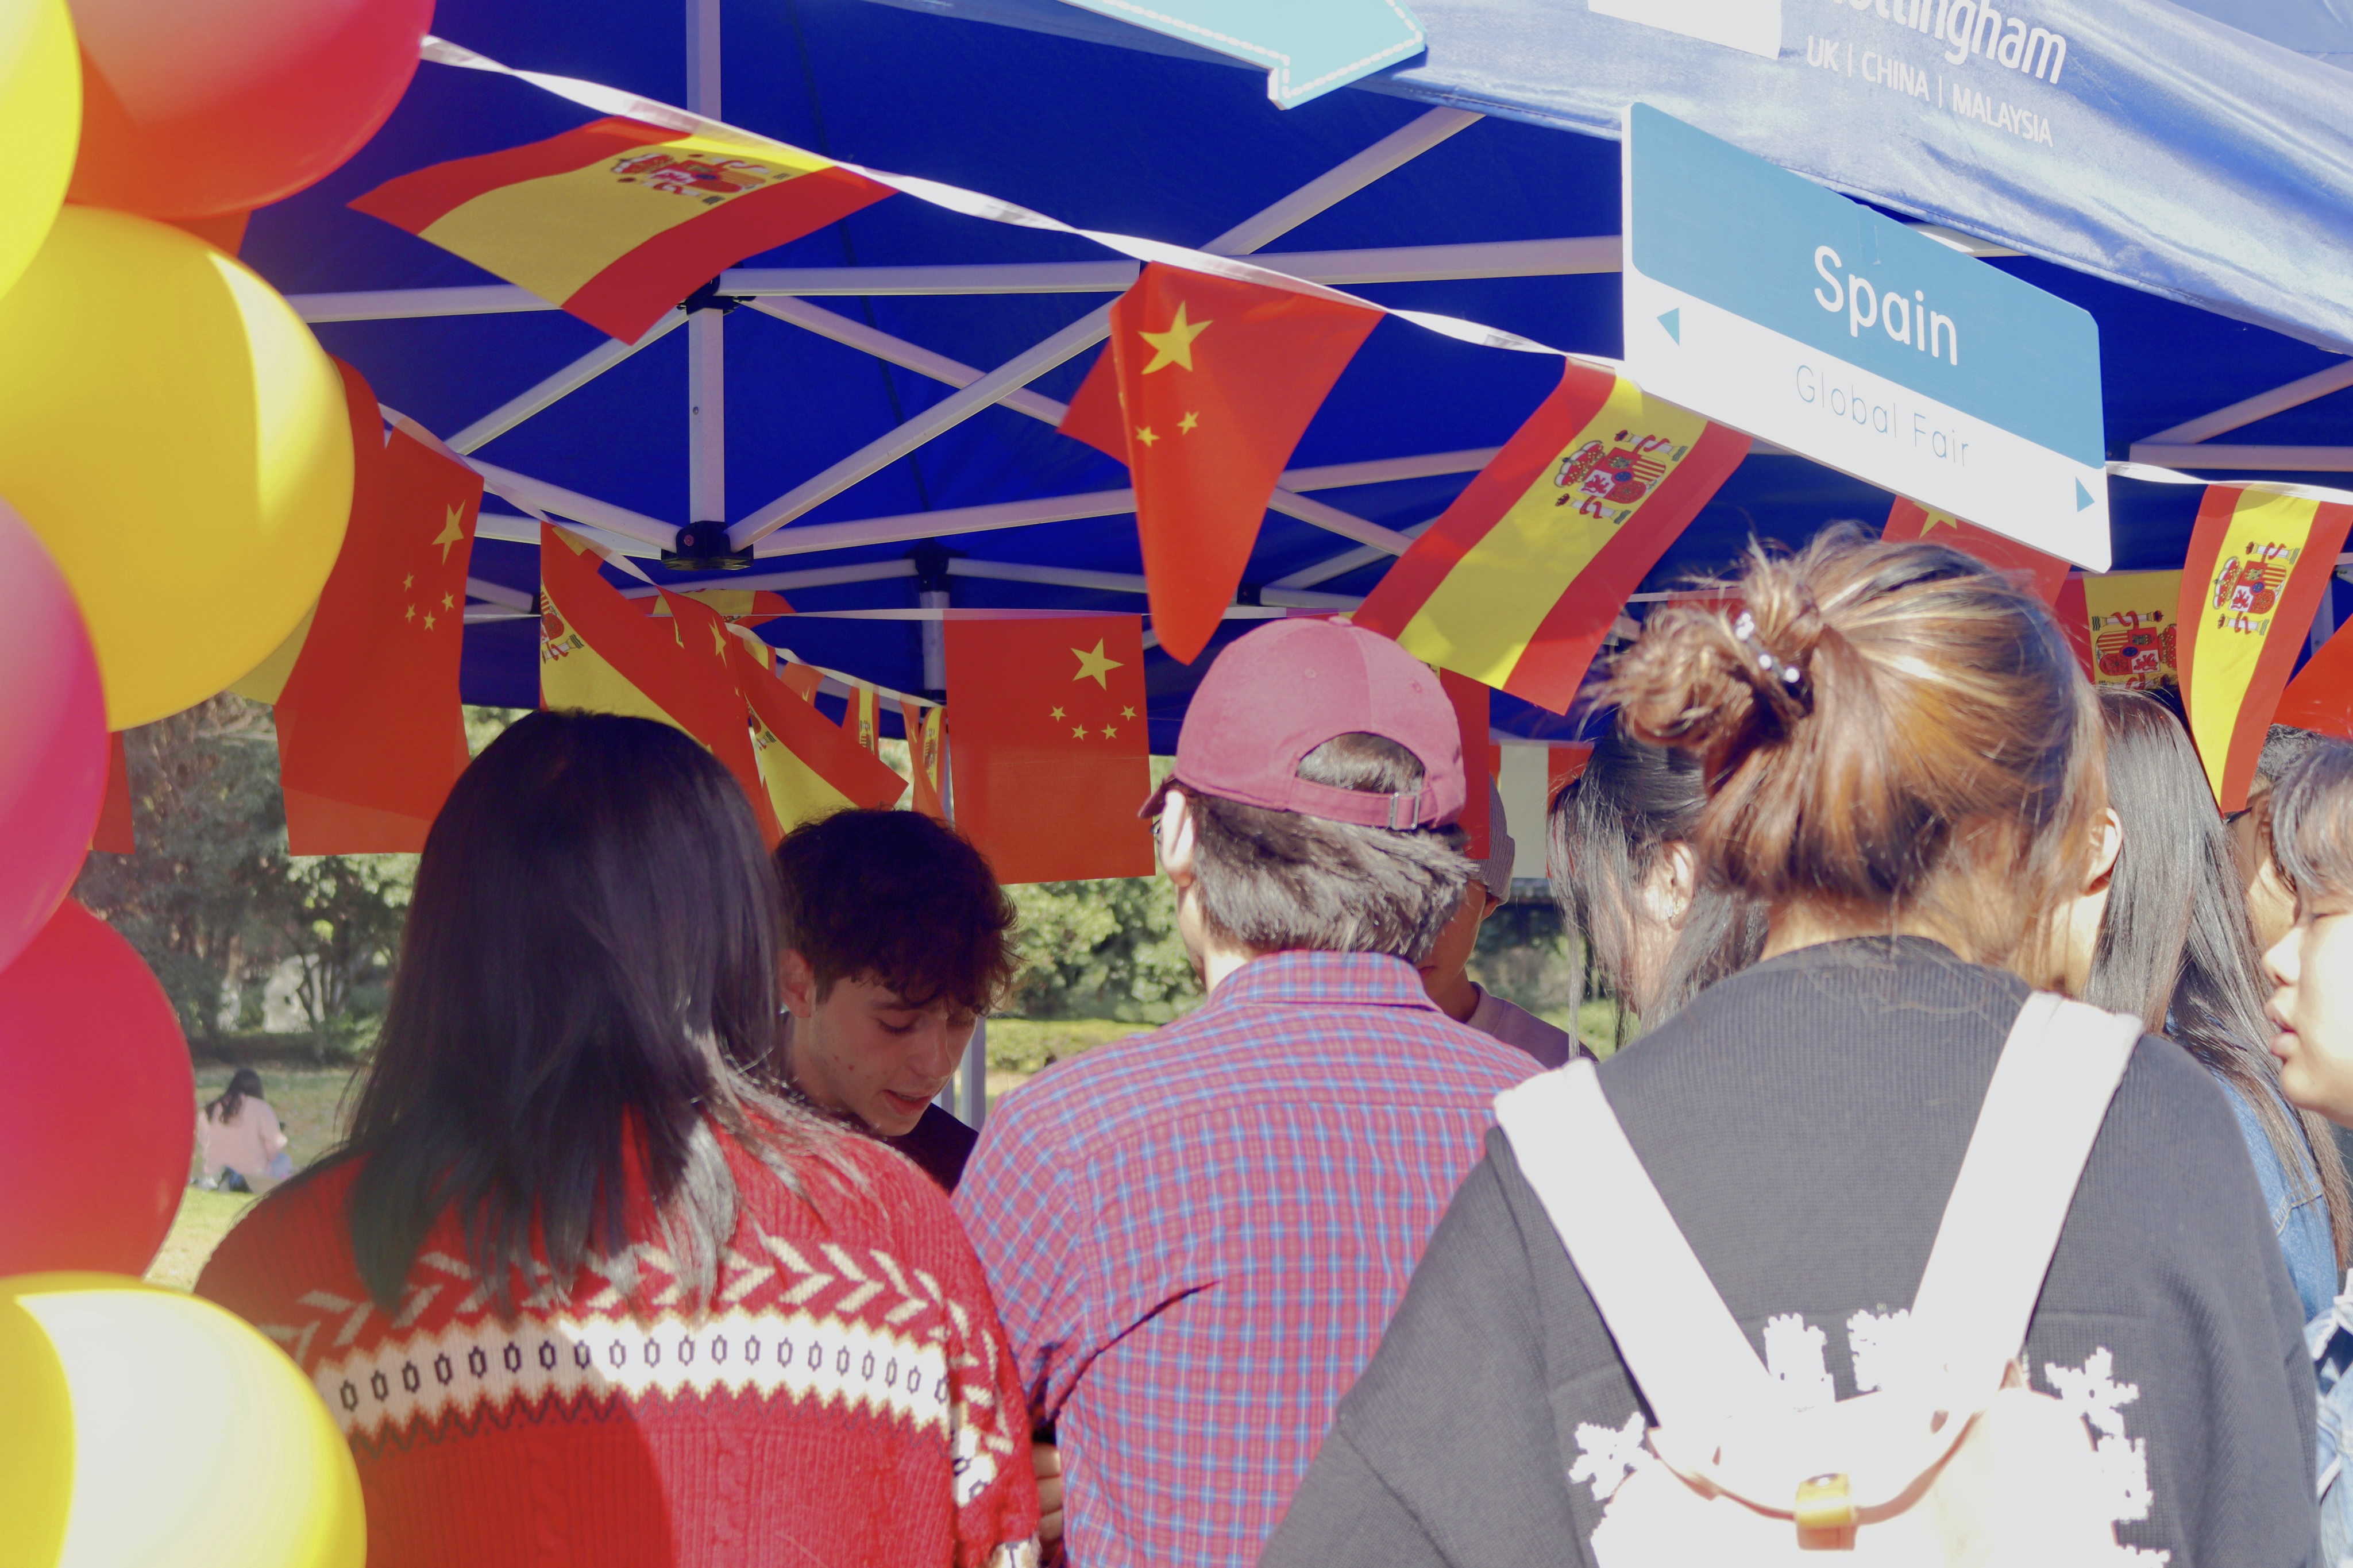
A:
x: 96, y: 1103
x: 52, y: 736
x: 192, y: 108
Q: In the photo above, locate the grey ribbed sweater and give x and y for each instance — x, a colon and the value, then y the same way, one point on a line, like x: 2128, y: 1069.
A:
x: 1804, y: 1121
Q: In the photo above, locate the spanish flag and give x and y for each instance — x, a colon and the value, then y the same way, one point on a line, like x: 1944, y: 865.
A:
x: 2125, y: 626
x: 2039, y: 575
x: 1517, y: 582
x: 809, y: 768
x: 370, y: 733
x: 1205, y: 389
x: 598, y: 651
x: 927, y: 750
x: 862, y: 718
x: 619, y: 220
x: 2320, y: 697
x: 2259, y: 562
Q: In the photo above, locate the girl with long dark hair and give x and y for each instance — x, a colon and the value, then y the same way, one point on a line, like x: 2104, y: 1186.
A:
x: 238, y: 1133
x: 583, y: 1285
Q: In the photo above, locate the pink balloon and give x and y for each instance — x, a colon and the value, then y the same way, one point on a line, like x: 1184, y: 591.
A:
x: 96, y: 1103
x: 52, y: 736
x: 195, y: 108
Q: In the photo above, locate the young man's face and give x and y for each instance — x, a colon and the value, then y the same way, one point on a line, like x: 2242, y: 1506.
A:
x: 864, y: 1050
x: 2311, y: 969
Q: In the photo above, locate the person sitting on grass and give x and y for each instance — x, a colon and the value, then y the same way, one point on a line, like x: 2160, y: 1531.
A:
x: 585, y: 1285
x: 1443, y: 969
x: 894, y: 946
x: 243, y: 1146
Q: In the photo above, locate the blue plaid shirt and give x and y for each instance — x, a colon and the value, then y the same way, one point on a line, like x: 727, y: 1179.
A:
x: 1197, y: 1236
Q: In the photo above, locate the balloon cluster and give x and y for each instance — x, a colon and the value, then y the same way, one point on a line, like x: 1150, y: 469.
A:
x: 176, y: 471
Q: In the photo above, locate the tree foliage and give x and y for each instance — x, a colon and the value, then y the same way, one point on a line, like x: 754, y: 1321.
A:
x: 1101, y: 950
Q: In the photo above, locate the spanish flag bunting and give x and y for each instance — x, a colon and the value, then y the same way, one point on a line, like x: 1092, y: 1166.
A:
x: 370, y: 733
x: 114, y: 833
x: 2039, y: 575
x: 599, y: 652
x: 2320, y: 697
x: 619, y: 220
x: 1205, y: 390
x: 736, y: 607
x: 2125, y: 626
x: 927, y: 747
x: 862, y: 718
x: 2259, y: 562
x: 1051, y: 755
x: 1519, y: 581
x: 808, y: 767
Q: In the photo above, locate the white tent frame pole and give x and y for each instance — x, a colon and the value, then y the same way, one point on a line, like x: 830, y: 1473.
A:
x: 706, y: 342
x: 2246, y: 459
x: 1341, y: 565
x: 565, y: 381
x: 939, y: 367
x: 1391, y: 151
x: 2247, y: 410
x: 635, y: 526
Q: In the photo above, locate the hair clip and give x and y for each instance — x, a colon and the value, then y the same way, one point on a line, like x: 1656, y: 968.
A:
x: 1743, y: 628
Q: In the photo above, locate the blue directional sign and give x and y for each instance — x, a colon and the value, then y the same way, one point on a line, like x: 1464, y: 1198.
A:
x: 1308, y: 47
x: 1766, y: 302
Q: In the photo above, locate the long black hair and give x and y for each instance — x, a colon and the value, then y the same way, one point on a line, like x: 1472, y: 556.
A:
x: 588, y: 975
x: 244, y: 1084
x: 1608, y: 827
x: 2175, y: 946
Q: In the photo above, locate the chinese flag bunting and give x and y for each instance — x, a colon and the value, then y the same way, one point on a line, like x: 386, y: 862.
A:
x: 808, y: 766
x: 927, y: 750
x: 113, y: 833
x: 1205, y: 390
x: 1517, y: 582
x: 1562, y: 766
x: 619, y: 220
x: 2258, y: 563
x: 1051, y: 754
x: 1470, y: 700
x: 802, y: 679
x: 736, y: 607
x: 600, y: 652
x: 370, y: 734
x: 2319, y: 697
x: 2039, y: 575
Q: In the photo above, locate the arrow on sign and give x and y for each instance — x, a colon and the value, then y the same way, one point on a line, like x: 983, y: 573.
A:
x: 1673, y: 321
x: 1308, y: 47
x: 2083, y: 496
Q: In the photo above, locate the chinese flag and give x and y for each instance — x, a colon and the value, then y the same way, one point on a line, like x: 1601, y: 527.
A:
x: 1562, y: 766
x: 619, y: 220
x: 1516, y: 583
x: 927, y: 750
x: 370, y: 734
x: 810, y: 767
x: 1206, y: 388
x: 2258, y: 563
x: 600, y: 652
x: 114, y: 835
x: 736, y: 607
x: 2039, y: 575
x: 1051, y: 754
x: 2320, y: 697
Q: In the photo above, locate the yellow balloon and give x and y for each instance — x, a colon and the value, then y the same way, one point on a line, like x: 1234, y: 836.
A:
x: 190, y: 1441
x: 177, y: 439
x: 40, y: 124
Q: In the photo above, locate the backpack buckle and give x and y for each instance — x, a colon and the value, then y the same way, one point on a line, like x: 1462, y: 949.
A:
x: 1825, y: 1503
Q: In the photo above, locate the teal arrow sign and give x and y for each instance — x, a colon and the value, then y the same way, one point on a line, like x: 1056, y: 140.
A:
x: 1308, y: 47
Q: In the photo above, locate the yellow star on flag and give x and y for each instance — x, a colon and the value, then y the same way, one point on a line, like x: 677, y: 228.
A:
x: 1143, y: 434
x: 448, y: 603
x: 412, y: 613
x: 1096, y: 664
x: 408, y: 582
x: 428, y: 620
x: 1057, y: 714
x: 1185, y: 425
x: 1078, y: 732
x: 718, y: 639
x: 1174, y: 346
x: 1111, y: 732
x: 453, y: 531
x: 1127, y: 712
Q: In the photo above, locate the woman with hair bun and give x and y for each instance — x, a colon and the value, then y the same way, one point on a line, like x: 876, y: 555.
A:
x: 1904, y: 768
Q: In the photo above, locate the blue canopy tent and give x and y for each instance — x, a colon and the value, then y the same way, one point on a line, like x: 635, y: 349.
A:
x: 2197, y: 199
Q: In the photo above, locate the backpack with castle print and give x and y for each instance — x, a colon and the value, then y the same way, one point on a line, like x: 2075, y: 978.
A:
x: 1956, y: 1458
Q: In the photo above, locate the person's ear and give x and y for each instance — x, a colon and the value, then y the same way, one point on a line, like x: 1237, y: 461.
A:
x: 1175, y: 840
x: 1672, y: 884
x: 2107, y: 843
x: 798, y: 983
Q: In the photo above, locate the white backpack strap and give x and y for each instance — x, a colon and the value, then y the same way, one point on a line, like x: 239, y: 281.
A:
x: 1683, y: 1346
x: 2042, y: 1112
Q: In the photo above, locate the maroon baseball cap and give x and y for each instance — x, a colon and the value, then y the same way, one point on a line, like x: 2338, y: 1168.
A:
x: 1277, y: 694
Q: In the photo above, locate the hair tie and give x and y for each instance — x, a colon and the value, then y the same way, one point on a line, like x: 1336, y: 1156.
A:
x: 1793, y: 679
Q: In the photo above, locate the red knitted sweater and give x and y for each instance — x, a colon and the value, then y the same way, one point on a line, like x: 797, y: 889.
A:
x: 847, y: 1399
